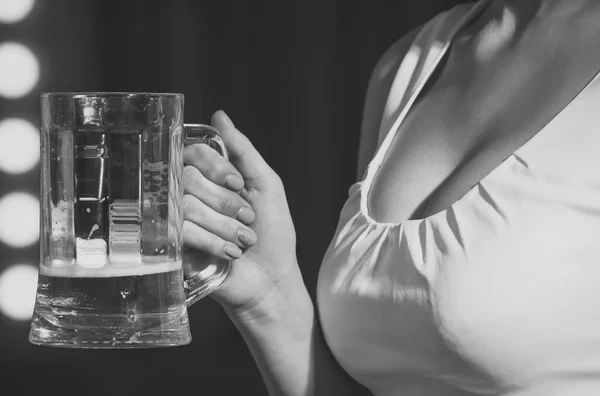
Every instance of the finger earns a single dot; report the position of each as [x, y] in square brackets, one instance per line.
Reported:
[242, 154]
[216, 197]
[224, 227]
[198, 238]
[213, 166]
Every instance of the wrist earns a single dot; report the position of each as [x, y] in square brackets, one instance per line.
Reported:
[285, 301]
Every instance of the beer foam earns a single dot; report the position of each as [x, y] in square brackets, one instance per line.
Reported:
[151, 265]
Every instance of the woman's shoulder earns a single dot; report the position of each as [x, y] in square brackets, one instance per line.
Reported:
[431, 33]
[410, 54]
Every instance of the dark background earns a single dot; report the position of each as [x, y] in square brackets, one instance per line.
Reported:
[291, 74]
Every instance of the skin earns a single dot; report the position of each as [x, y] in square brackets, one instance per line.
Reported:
[264, 295]
[525, 59]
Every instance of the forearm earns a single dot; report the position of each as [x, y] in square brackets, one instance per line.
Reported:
[287, 343]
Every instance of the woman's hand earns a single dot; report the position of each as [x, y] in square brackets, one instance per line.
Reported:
[239, 204]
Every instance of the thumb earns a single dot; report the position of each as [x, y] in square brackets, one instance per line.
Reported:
[243, 155]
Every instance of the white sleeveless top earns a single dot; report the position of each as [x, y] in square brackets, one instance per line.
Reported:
[499, 294]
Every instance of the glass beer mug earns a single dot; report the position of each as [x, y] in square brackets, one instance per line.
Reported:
[111, 273]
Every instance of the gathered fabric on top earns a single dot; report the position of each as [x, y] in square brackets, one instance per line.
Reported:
[495, 295]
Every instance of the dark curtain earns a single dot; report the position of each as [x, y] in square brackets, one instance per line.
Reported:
[291, 74]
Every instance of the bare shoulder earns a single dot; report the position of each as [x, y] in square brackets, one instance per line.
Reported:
[381, 80]
[378, 89]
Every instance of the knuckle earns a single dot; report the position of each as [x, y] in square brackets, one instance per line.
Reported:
[245, 151]
[188, 202]
[188, 153]
[198, 150]
[227, 205]
[191, 175]
[188, 233]
[274, 179]
[215, 245]
[195, 154]
[228, 229]
[218, 168]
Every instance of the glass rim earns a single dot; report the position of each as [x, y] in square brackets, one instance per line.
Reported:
[107, 94]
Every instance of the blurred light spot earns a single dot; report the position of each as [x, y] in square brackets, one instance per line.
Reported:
[18, 285]
[19, 70]
[12, 11]
[19, 219]
[19, 145]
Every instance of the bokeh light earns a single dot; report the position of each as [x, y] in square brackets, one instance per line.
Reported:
[18, 285]
[19, 219]
[19, 70]
[19, 146]
[12, 11]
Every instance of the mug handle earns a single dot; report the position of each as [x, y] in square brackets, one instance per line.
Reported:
[214, 273]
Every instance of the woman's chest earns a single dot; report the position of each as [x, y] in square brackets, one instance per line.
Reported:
[479, 298]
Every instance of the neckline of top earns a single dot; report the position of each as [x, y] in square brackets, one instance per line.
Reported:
[476, 10]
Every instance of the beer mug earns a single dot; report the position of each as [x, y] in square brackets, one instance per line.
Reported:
[110, 273]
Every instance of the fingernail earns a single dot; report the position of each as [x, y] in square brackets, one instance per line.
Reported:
[234, 183]
[248, 238]
[227, 118]
[246, 215]
[233, 251]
